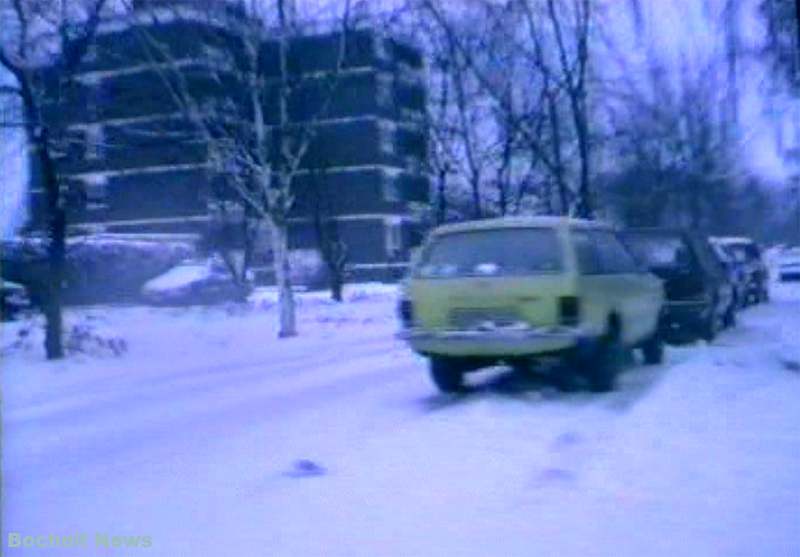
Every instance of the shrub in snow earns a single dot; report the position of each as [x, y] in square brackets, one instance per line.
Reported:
[84, 338]
[22, 341]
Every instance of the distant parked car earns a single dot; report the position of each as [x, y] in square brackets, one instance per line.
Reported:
[737, 274]
[516, 290]
[13, 299]
[699, 294]
[747, 252]
[193, 282]
[789, 264]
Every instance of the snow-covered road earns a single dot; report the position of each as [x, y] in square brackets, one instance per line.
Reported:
[196, 442]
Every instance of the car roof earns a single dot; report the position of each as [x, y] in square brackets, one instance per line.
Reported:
[732, 240]
[658, 231]
[520, 222]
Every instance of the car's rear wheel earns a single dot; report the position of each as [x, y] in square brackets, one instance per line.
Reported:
[711, 326]
[602, 370]
[730, 316]
[447, 374]
[653, 349]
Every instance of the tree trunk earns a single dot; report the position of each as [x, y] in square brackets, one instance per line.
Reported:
[53, 342]
[477, 213]
[336, 287]
[558, 164]
[280, 256]
[56, 248]
[441, 199]
[585, 207]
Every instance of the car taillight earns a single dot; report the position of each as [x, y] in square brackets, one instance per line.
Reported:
[569, 309]
[405, 311]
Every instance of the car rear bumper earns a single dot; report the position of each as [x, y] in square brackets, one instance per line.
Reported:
[493, 342]
[682, 317]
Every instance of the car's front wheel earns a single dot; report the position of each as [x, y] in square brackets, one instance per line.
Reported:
[447, 374]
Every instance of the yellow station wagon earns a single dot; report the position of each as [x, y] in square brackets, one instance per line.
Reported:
[514, 290]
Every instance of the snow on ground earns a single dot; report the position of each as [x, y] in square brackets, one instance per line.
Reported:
[210, 437]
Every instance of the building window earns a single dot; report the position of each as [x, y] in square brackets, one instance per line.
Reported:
[393, 227]
[95, 142]
[96, 188]
[92, 84]
[91, 53]
[384, 94]
[387, 137]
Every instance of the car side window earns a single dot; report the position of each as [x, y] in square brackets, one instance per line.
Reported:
[587, 254]
[614, 258]
[710, 263]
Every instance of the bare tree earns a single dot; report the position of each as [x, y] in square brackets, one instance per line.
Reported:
[331, 247]
[672, 135]
[783, 38]
[574, 63]
[51, 40]
[531, 63]
[267, 158]
[440, 156]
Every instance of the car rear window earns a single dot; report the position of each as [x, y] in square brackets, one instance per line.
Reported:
[744, 252]
[658, 250]
[502, 252]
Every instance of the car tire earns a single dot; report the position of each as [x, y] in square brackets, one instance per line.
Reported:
[601, 372]
[730, 316]
[447, 374]
[653, 349]
[711, 326]
[522, 368]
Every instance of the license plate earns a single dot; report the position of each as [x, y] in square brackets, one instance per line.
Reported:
[470, 318]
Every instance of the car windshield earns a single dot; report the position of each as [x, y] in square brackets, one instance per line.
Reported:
[502, 252]
[658, 250]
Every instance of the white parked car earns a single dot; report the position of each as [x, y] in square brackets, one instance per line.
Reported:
[789, 264]
[193, 282]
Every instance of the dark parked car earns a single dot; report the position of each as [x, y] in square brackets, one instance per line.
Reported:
[748, 254]
[699, 293]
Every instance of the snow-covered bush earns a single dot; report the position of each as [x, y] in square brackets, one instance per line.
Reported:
[99, 268]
